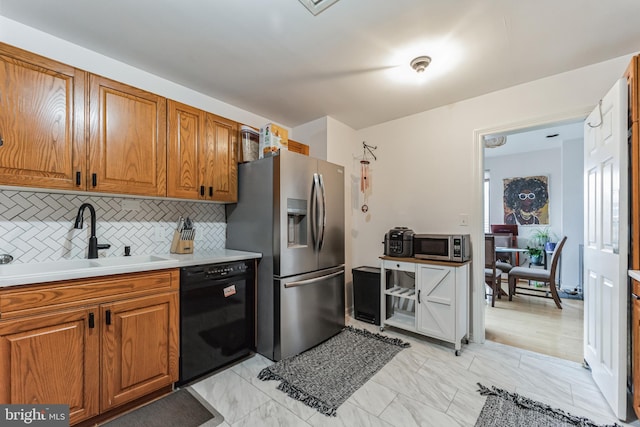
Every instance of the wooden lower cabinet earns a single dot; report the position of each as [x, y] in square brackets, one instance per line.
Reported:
[635, 340]
[139, 348]
[120, 347]
[52, 359]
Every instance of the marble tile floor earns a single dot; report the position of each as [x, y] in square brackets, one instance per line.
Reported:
[424, 385]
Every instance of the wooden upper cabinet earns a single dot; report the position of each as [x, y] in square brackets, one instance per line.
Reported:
[127, 139]
[185, 154]
[221, 171]
[201, 160]
[63, 128]
[52, 359]
[41, 121]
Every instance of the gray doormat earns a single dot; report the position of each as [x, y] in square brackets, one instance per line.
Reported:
[184, 408]
[326, 375]
[505, 409]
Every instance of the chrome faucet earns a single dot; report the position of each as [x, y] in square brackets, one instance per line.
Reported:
[93, 240]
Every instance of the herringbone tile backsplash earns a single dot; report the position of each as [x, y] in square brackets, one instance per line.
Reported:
[37, 227]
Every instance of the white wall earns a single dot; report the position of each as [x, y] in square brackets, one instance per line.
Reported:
[572, 209]
[429, 168]
[314, 134]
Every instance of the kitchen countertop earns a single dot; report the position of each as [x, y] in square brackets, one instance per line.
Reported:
[39, 272]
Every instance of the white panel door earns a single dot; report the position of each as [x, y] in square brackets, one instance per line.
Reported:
[606, 245]
[436, 301]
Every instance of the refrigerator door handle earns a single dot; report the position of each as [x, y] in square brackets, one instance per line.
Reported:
[324, 213]
[311, 281]
[315, 229]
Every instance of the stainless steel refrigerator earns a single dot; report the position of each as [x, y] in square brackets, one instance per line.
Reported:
[291, 209]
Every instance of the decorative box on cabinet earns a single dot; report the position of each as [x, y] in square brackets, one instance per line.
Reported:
[430, 298]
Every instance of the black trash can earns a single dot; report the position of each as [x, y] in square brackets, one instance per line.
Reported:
[366, 294]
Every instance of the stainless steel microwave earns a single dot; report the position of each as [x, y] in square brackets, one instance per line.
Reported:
[442, 247]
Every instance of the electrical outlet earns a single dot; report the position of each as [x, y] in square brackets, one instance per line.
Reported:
[464, 219]
[159, 234]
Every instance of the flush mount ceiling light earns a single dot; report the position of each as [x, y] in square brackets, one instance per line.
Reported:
[494, 141]
[317, 6]
[420, 63]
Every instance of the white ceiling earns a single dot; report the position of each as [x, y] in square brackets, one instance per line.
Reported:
[536, 139]
[275, 59]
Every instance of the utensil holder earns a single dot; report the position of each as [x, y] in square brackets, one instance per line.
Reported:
[181, 246]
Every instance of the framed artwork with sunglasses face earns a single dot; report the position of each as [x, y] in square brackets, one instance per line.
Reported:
[526, 200]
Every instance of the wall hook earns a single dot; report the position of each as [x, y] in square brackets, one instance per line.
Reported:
[600, 112]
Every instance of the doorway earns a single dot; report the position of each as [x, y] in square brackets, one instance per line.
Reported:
[552, 153]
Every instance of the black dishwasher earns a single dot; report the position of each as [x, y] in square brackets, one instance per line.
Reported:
[216, 316]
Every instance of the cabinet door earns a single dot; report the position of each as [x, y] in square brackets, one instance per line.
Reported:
[127, 139]
[436, 313]
[186, 161]
[41, 121]
[52, 359]
[221, 170]
[139, 347]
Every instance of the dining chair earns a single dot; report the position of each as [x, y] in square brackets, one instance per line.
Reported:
[504, 240]
[540, 275]
[492, 275]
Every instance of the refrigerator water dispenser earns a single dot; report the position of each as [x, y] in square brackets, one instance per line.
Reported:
[296, 222]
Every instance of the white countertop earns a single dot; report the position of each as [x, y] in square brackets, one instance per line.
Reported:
[634, 274]
[39, 272]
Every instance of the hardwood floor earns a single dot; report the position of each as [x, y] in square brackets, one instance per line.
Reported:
[536, 324]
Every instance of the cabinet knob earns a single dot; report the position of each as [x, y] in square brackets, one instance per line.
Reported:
[1, 141]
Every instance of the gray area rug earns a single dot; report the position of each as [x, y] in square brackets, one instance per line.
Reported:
[184, 408]
[505, 409]
[325, 376]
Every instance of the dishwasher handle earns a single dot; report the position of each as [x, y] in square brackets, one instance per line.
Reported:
[312, 281]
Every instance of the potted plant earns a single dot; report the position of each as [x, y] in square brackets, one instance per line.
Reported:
[543, 237]
[535, 255]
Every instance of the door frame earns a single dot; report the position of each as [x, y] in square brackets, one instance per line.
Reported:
[477, 217]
